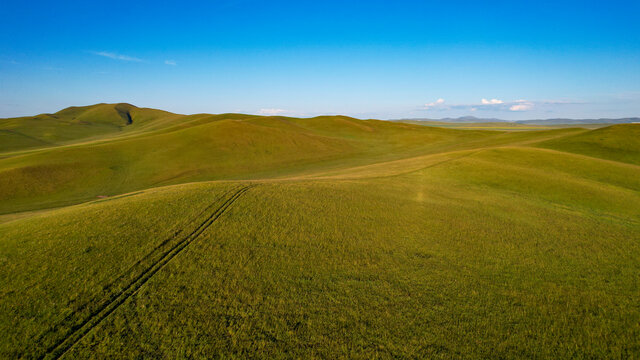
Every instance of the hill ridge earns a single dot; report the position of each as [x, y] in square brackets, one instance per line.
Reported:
[140, 148]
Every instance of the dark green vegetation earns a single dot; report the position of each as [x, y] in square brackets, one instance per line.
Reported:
[327, 237]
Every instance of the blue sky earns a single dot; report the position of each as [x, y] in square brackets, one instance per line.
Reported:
[369, 59]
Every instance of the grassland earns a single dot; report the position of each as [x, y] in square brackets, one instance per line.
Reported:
[269, 237]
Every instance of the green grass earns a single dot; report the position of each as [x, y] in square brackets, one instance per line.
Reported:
[328, 237]
[75, 124]
[617, 142]
[230, 146]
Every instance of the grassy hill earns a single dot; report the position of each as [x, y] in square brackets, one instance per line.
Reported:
[73, 124]
[178, 149]
[272, 237]
[617, 142]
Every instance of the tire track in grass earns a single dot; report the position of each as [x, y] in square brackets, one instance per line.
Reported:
[70, 321]
[78, 331]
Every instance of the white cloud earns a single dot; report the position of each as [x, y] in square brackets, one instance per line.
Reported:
[521, 105]
[115, 56]
[170, 62]
[437, 103]
[271, 111]
[499, 105]
[489, 105]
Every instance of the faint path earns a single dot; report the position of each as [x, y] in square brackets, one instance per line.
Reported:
[79, 330]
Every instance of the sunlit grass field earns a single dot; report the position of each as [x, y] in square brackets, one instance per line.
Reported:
[236, 236]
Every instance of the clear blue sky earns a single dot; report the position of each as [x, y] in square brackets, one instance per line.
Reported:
[369, 59]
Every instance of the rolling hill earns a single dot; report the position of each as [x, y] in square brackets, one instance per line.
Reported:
[73, 124]
[618, 142]
[173, 149]
[231, 235]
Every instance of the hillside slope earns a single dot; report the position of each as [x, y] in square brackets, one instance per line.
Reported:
[177, 149]
[152, 148]
[73, 124]
[617, 142]
[532, 253]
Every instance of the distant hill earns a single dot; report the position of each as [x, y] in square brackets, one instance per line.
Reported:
[581, 121]
[106, 149]
[556, 121]
[74, 123]
[80, 153]
[462, 119]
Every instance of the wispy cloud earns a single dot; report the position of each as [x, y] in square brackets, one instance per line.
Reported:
[495, 105]
[170, 62]
[271, 111]
[491, 102]
[116, 56]
[521, 105]
[436, 104]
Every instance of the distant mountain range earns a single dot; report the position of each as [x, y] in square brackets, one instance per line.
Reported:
[473, 119]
